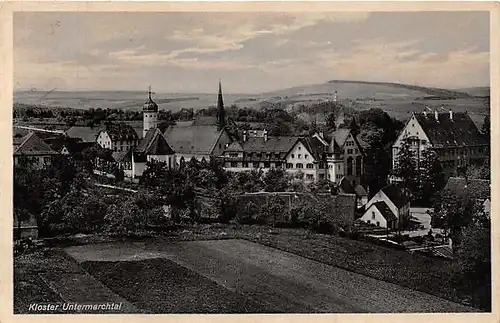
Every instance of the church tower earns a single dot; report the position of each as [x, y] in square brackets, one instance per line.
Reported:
[150, 115]
[221, 114]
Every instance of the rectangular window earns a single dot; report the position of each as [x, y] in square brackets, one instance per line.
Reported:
[378, 224]
[373, 215]
[299, 165]
[309, 176]
[46, 160]
[300, 156]
[349, 151]
[234, 164]
[310, 166]
[255, 165]
[266, 165]
[293, 156]
[306, 156]
[321, 176]
[278, 164]
[245, 164]
[289, 165]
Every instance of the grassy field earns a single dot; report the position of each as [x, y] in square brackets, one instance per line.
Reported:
[162, 286]
[429, 275]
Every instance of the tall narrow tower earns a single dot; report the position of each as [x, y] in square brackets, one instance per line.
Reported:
[221, 114]
[150, 114]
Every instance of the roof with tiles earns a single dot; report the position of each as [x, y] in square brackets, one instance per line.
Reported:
[235, 146]
[154, 143]
[32, 145]
[272, 144]
[459, 130]
[396, 195]
[385, 211]
[121, 131]
[193, 139]
[86, 134]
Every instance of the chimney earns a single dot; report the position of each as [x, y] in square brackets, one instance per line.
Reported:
[436, 115]
[265, 135]
[451, 115]
[244, 135]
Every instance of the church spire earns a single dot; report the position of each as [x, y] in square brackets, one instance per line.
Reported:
[221, 117]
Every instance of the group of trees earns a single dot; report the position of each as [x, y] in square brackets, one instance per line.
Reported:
[378, 131]
[466, 223]
[422, 175]
[63, 200]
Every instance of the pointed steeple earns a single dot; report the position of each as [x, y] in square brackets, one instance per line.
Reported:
[221, 115]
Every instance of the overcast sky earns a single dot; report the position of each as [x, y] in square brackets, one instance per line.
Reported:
[250, 52]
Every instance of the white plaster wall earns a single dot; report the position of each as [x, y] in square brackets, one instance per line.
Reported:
[368, 216]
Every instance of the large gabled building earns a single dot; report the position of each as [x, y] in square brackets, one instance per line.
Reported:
[317, 157]
[34, 149]
[118, 137]
[453, 135]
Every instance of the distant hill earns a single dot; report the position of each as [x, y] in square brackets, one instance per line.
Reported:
[398, 100]
[480, 91]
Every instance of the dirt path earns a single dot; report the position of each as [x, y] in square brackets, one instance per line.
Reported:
[285, 281]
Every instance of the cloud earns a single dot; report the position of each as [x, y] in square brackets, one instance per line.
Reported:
[253, 51]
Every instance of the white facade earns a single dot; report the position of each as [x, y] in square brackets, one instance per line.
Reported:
[150, 121]
[413, 130]
[400, 213]
[105, 141]
[300, 160]
[335, 169]
[373, 216]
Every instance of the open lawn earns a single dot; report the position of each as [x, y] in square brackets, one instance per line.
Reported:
[162, 286]
[284, 282]
[302, 272]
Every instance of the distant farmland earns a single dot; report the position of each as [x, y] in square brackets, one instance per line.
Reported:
[398, 100]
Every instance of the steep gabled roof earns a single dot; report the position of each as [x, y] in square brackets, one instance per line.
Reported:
[315, 147]
[154, 143]
[193, 139]
[445, 132]
[121, 131]
[340, 135]
[86, 134]
[385, 211]
[120, 156]
[272, 144]
[396, 195]
[234, 147]
[475, 188]
[360, 190]
[33, 145]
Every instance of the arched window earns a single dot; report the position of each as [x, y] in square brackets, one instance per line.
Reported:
[358, 165]
[310, 166]
[299, 165]
[350, 162]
